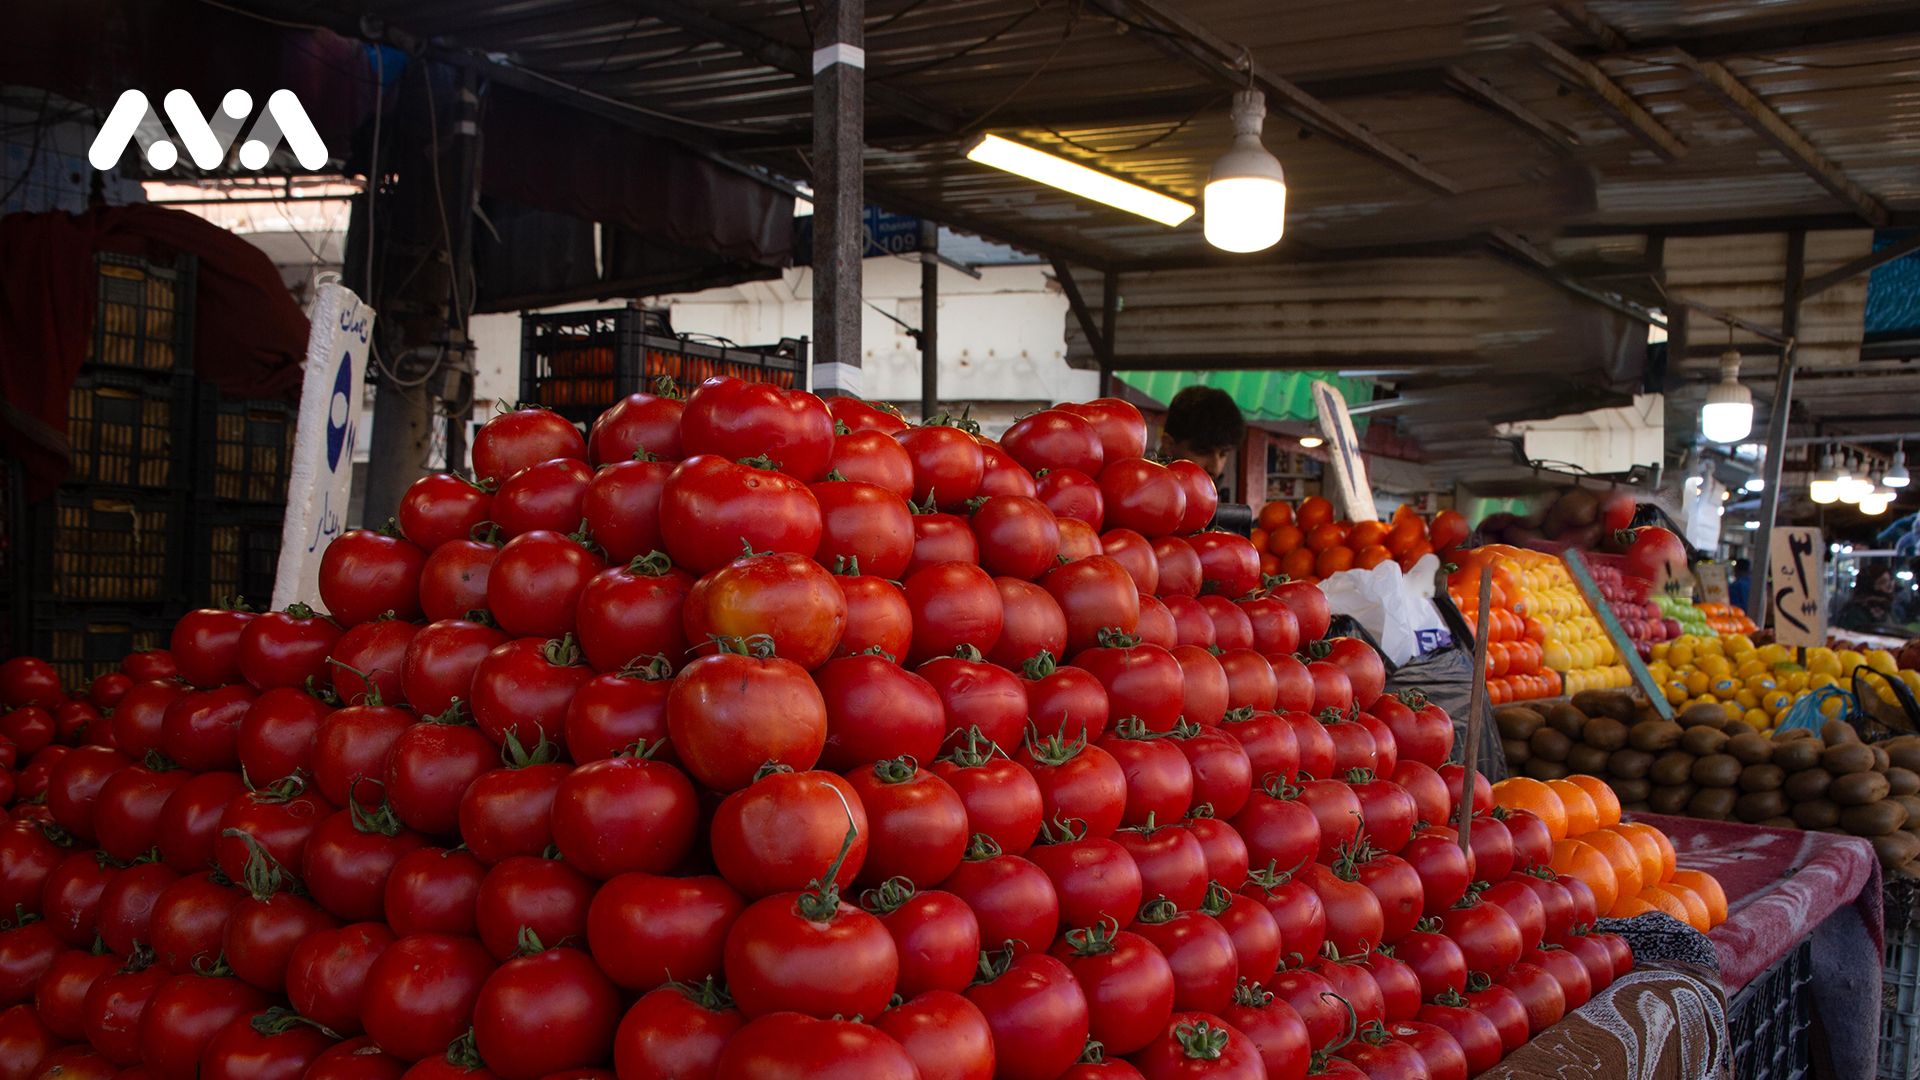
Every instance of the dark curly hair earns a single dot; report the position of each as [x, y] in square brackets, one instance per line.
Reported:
[1205, 418]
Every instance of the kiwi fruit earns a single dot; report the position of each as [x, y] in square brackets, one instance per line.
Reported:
[1549, 744]
[1672, 800]
[1896, 848]
[1912, 803]
[1756, 806]
[1672, 767]
[1808, 784]
[1794, 755]
[1902, 781]
[1615, 703]
[1762, 778]
[1604, 732]
[1637, 808]
[1736, 727]
[1586, 759]
[1904, 752]
[1566, 720]
[1714, 804]
[1778, 823]
[1716, 771]
[1792, 735]
[1517, 721]
[1703, 714]
[1653, 736]
[1815, 814]
[1858, 789]
[1846, 757]
[1873, 819]
[1632, 791]
[1881, 762]
[1838, 731]
[1701, 741]
[1542, 769]
[1629, 764]
[1751, 747]
[1516, 751]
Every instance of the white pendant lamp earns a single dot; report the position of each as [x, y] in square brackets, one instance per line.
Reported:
[1850, 484]
[1896, 476]
[1728, 414]
[1244, 207]
[1876, 502]
[1825, 487]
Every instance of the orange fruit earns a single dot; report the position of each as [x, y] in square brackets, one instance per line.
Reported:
[1662, 900]
[1333, 560]
[1259, 537]
[1322, 537]
[1367, 533]
[1667, 856]
[1313, 511]
[1371, 556]
[1284, 538]
[1698, 915]
[1526, 793]
[1623, 857]
[1269, 565]
[1707, 887]
[1582, 816]
[1577, 858]
[1275, 514]
[1297, 563]
[1652, 865]
[1605, 802]
[1628, 908]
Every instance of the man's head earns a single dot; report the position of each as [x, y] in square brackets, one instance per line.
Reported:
[1203, 426]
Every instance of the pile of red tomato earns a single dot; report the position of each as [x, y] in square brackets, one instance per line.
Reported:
[754, 736]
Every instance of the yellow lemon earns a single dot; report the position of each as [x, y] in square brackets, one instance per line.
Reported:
[1710, 646]
[1911, 678]
[1882, 661]
[1738, 644]
[1755, 719]
[1820, 680]
[1821, 660]
[1849, 660]
[1723, 688]
[1676, 691]
[1660, 650]
[1680, 655]
[1795, 681]
[1775, 701]
[1832, 707]
[1760, 682]
[1716, 667]
[1746, 698]
[1697, 683]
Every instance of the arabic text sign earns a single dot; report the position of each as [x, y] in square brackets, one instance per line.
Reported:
[1343, 453]
[322, 475]
[1796, 593]
[1713, 582]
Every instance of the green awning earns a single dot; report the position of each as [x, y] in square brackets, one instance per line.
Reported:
[1268, 396]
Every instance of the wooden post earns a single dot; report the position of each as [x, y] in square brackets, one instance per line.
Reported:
[839, 231]
[929, 319]
[1109, 314]
[1476, 705]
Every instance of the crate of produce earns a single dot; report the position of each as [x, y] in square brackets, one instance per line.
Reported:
[128, 431]
[580, 362]
[82, 641]
[244, 449]
[1768, 1021]
[234, 553]
[143, 315]
[105, 545]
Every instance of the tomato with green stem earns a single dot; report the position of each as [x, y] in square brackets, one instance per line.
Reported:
[680, 1029]
[936, 934]
[916, 822]
[785, 829]
[1013, 899]
[644, 929]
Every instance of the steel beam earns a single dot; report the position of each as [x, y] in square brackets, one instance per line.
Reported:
[839, 231]
[1777, 421]
[1483, 93]
[1864, 264]
[1587, 77]
[929, 320]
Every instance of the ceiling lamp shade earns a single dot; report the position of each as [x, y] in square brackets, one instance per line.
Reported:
[1077, 179]
[1875, 502]
[1825, 487]
[1850, 484]
[1245, 201]
[1728, 414]
[1896, 476]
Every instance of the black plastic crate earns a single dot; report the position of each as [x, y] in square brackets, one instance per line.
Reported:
[244, 449]
[234, 553]
[102, 545]
[580, 362]
[129, 431]
[1768, 1021]
[83, 641]
[143, 315]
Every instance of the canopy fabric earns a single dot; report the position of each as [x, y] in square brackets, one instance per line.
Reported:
[1263, 396]
[1893, 292]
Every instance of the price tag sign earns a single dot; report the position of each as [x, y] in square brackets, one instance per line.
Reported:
[1796, 563]
[1713, 582]
[321, 477]
[1343, 453]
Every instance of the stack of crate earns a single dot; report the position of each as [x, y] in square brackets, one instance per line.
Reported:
[242, 454]
[97, 570]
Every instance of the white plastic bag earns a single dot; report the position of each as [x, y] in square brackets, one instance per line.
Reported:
[1395, 607]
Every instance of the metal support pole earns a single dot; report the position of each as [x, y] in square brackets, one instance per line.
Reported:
[929, 319]
[839, 233]
[1777, 419]
[1109, 312]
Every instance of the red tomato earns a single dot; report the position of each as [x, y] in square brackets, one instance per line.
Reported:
[878, 617]
[73, 788]
[917, 825]
[183, 1017]
[944, 1034]
[978, 696]
[1251, 683]
[1488, 937]
[189, 820]
[1540, 995]
[1595, 956]
[1455, 776]
[549, 495]
[356, 1059]
[1002, 800]
[1159, 780]
[524, 687]
[1204, 688]
[277, 1045]
[789, 1046]
[1196, 1044]
[622, 508]
[1532, 843]
[1312, 997]
[953, 604]
[327, 973]
[1293, 684]
[810, 953]
[1054, 439]
[1435, 960]
[537, 581]
[1177, 568]
[25, 1042]
[644, 930]
[368, 658]
[637, 422]
[1366, 672]
[1476, 1035]
[188, 922]
[1444, 869]
[734, 419]
[364, 573]
[1275, 630]
[1037, 1012]
[947, 464]
[441, 661]
[114, 1007]
[1142, 681]
[1031, 624]
[713, 506]
[1309, 607]
[205, 646]
[856, 414]
[786, 598]
[1254, 930]
[1135, 553]
[1121, 427]
[787, 829]
[1274, 1027]
[1567, 969]
[1229, 565]
[1428, 791]
[137, 720]
[421, 992]
[1172, 863]
[730, 714]
[1556, 903]
[542, 1013]
[865, 524]
[126, 905]
[434, 891]
[1199, 951]
[1128, 983]
[1397, 885]
[264, 928]
[678, 1030]
[526, 436]
[939, 538]
[1096, 594]
[935, 933]
[201, 729]
[1232, 630]
[1078, 781]
[1492, 847]
[1065, 701]
[1070, 493]
[1018, 536]
[59, 997]
[27, 856]
[876, 711]
[624, 814]
[1524, 905]
[1095, 878]
[1355, 921]
[1203, 498]
[1278, 828]
[873, 457]
[502, 812]
[619, 709]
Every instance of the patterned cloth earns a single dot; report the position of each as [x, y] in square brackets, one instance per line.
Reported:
[1666, 1020]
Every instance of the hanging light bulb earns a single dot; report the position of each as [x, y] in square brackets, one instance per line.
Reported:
[1859, 481]
[1896, 476]
[1728, 414]
[1245, 203]
[1825, 487]
[1876, 501]
[1849, 483]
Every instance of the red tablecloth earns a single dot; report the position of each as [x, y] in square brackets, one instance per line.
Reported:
[1780, 885]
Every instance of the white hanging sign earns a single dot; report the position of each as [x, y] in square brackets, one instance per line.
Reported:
[1795, 585]
[1343, 453]
[321, 479]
